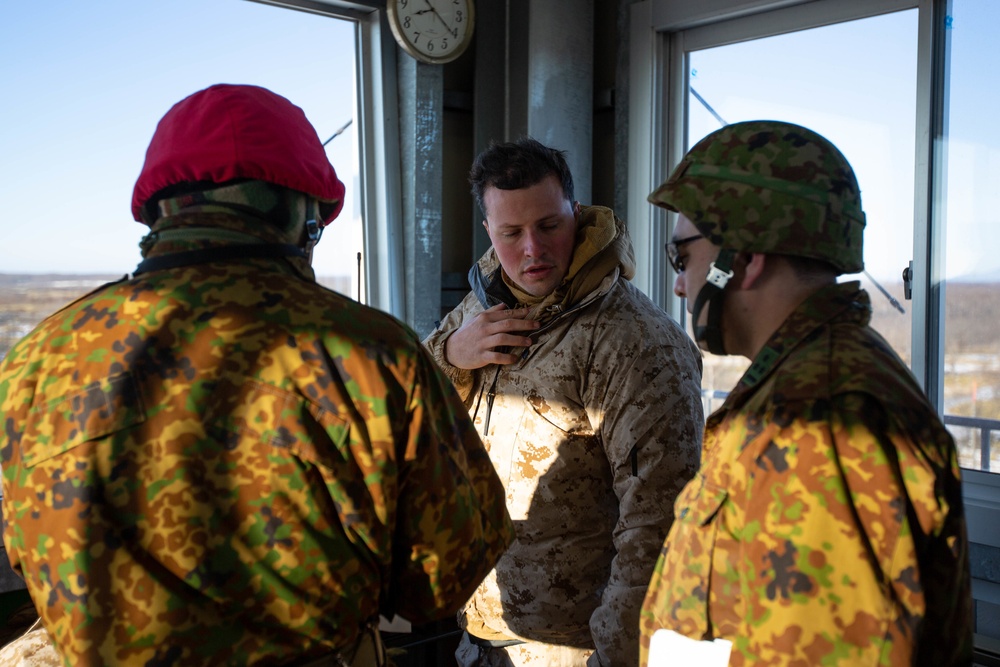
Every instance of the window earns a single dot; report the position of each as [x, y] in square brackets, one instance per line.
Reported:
[969, 251]
[862, 100]
[83, 103]
[936, 66]
[875, 103]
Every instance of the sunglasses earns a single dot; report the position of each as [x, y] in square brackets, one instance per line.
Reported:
[673, 252]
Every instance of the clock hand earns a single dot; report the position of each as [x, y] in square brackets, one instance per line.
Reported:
[446, 26]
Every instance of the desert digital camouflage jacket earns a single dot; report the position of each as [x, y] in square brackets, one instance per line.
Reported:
[826, 524]
[594, 432]
[225, 463]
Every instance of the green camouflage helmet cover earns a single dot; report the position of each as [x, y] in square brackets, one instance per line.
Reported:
[770, 187]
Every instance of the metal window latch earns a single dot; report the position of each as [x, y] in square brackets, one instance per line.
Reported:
[908, 282]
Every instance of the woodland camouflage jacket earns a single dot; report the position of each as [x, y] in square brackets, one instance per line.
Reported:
[226, 463]
[593, 432]
[826, 523]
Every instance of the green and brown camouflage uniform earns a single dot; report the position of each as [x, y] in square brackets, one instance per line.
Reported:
[226, 463]
[825, 525]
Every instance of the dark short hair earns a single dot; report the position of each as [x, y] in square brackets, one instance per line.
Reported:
[516, 165]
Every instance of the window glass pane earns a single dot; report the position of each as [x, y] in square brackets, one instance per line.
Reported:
[971, 266]
[861, 99]
[84, 86]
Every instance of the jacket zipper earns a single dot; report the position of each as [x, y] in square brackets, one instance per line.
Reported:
[492, 393]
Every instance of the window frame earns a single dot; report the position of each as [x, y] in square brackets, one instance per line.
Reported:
[662, 32]
[377, 116]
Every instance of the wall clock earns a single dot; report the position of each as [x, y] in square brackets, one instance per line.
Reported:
[432, 31]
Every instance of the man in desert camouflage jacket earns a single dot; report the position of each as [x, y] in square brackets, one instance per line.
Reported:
[217, 461]
[588, 398]
[825, 525]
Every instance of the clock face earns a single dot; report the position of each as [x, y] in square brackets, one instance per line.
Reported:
[434, 31]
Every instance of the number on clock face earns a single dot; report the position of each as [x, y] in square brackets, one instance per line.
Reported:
[433, 29]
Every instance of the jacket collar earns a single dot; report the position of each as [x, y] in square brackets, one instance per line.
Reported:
[208, 226]
[844, 302]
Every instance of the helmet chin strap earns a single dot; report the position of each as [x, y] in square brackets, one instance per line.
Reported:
[712, 293]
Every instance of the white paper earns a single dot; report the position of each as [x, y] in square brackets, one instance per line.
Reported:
[669, 649]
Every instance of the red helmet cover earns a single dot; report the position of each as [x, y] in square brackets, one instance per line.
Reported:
[238, 131]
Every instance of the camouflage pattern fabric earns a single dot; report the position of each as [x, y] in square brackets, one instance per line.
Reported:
[34, 648]
[226, 463]
[594, 432]
[280, 206]
[528, 654]
[826, 524]
[772, 187]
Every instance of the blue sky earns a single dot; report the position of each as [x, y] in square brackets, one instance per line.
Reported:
[862, 100]
[84, 84]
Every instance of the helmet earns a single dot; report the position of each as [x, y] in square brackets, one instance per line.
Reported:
[770, 187]
[236, 131]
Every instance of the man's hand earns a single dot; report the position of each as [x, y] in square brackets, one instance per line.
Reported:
[475, 344]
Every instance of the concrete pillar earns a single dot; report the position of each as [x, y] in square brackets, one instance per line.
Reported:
[535, 76]
[560, 82]
[421, 95]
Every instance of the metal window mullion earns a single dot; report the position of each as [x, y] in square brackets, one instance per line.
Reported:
[679, 65]
[378, 137]
[930, 201]
[738, 25]
[645, 123]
